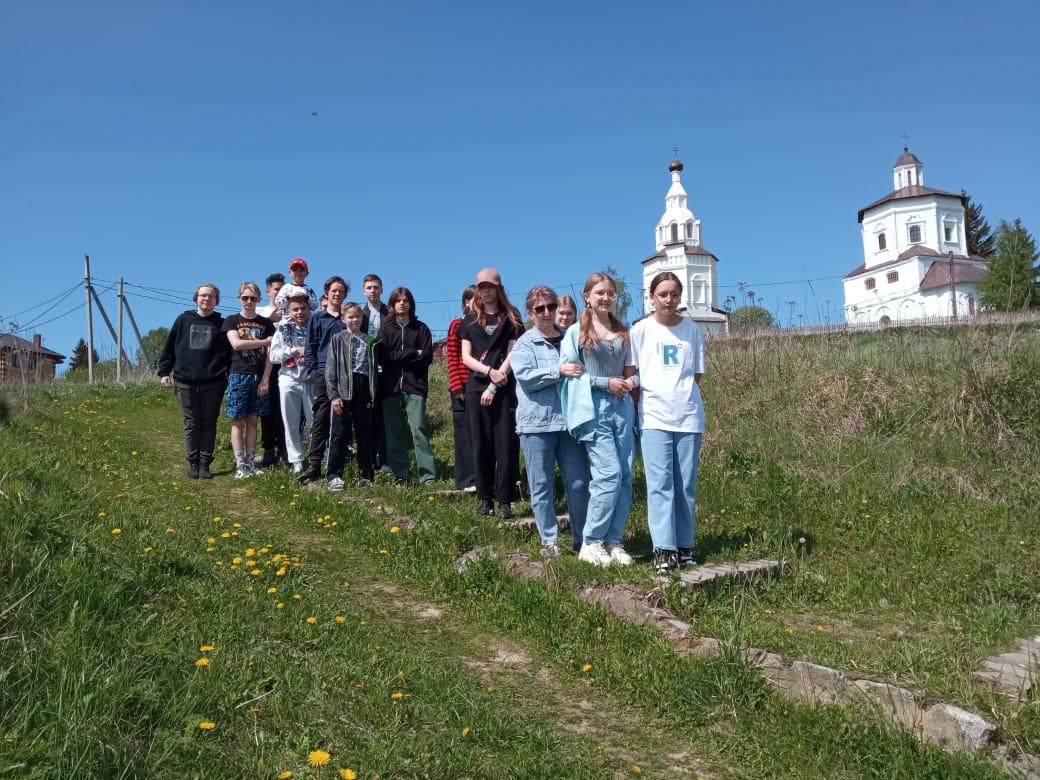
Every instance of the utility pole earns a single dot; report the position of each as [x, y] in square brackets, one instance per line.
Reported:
[90, 320]
[119, 336]
[953, 288]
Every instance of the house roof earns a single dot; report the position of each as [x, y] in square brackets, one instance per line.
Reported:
[939, 274]
[918, 250]
[912, 191]
[907, 158]
[8, 341]
[690, 250]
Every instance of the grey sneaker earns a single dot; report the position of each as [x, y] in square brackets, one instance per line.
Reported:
[665, 561]
[550, 550]
[686, 557]
[242, 471]
[335, 484]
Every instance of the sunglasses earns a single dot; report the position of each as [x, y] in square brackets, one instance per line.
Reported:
[248, 298]
[547, 307]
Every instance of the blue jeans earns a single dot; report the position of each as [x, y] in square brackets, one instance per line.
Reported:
[542, 451]
[611, 450]
[670, 460]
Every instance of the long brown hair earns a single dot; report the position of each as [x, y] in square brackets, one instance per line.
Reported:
[396, 294]
[586, 333]
[504, 306]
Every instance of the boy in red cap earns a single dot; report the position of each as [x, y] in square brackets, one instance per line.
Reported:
[298, 271]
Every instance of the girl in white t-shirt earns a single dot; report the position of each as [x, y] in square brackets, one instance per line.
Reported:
[668, 352]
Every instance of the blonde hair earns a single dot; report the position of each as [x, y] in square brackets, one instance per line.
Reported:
[350, 306]
[247, 285]
[567, 301]
[586, 333]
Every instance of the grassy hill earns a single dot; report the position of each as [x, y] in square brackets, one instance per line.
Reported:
[894, 472]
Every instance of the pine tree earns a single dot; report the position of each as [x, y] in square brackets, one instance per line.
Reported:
[79, 356]
[1010, 281]
[976, 229]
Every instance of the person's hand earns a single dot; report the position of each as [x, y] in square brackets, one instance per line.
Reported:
[262, 388]
[301, 351]
[618, 386]
[497, 376]
[337, 405]
[166, 381]
[631, 383]
[276, 316]
[487, 398]
[571, 370]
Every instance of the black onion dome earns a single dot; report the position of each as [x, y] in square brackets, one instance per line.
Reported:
[675, 165]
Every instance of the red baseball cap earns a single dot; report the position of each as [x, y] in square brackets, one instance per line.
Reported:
[298, 261]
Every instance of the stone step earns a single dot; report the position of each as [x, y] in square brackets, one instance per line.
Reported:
[530, 523]
[702, 575]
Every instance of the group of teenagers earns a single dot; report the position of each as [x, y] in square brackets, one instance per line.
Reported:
[570, 392]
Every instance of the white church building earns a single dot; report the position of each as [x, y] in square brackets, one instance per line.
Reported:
[680, 251]
[915, 258]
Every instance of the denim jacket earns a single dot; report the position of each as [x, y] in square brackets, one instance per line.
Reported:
[536, 365]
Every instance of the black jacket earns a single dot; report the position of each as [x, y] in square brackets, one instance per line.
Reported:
[383, 311]
[406, 354]
[196, 352]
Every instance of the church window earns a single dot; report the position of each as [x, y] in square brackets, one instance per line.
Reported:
[909, 178]
[870, 283]
[949, 231]
[15, 362]
[892, 276]
[881, 242]
[675, 233]
[915, 234]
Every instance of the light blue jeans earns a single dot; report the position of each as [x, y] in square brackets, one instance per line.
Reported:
[611, 450]
[670, 460]
[542, 451]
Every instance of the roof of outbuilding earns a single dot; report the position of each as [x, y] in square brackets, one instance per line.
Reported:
[14, 342]
[939, 275]
[690, 250]
[918, 250]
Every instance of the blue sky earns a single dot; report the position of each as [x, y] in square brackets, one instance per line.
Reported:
[175, 142]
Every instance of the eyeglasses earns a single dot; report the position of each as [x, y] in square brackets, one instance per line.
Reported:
[547, 307]
[248, 298]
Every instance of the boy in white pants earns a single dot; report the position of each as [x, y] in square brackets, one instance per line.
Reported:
[287, 348]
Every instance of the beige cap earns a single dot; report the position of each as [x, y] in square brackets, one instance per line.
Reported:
[489, 276]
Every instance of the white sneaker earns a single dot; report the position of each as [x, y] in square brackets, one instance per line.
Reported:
[335, 484]
[594, 553]
[297, 468]
[242, 471]
[470, 489]
[618, 555]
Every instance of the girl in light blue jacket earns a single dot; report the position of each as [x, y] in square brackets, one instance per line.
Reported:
[542, 428]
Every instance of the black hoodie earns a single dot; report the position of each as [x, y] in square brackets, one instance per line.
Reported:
[196, 352]
[405, 357]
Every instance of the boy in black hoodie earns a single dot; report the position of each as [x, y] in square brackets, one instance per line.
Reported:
[195, 360]
[407, 350]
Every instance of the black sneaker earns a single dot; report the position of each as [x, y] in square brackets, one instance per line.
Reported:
[665, 561]
[486, 507]
[204, 472]
[270, 459]
[686, 557]
[505, 511]
[193, 471]
[310, 474]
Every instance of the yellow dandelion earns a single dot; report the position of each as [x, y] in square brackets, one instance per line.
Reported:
[279, 605]
[147, 549]
[211, 540]
[146, 605]
[318, 757]
[225, 535]
[788, 630]
[171, 530]
[340, 619]
[207, 725]
[346, 583]
[216, 519]
[207, 649]
[395, 529]
[820, 629]
[384, 551]
[312, 620]
[296, 597]
[211, 549]
[636, 769]
[491, 689]
[285, 774]
[280, 572]
[133, 453]
[347, 774]
[363, 623]
[958, 628]
[236, 525]
[117, 531]
[430, 499]
[250, 552]
[328, 517]
[465, 730]
[359, 685]
[333, 524]
[202, 662]
[272, 589]
[255, 573]
[398, 695]
[236, 560]
[251, 563]
[102, 514]
[586, 667]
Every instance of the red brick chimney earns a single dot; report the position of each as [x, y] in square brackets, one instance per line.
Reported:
[37, 340]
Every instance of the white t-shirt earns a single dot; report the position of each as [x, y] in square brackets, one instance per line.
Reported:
[667, 358]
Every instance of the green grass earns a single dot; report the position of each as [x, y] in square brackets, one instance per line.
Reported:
[99, 638]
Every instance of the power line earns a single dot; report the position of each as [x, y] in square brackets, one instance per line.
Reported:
[61, 295]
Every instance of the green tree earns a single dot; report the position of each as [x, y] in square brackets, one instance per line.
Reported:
[79, 356]
[747, 318]
[151, 346]
[1010, 279]
[976, 229]
[624, 296]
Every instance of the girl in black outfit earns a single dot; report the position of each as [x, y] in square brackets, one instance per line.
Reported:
[487, 338]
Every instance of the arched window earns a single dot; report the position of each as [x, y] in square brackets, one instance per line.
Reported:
[689, 229]
[675, 233]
